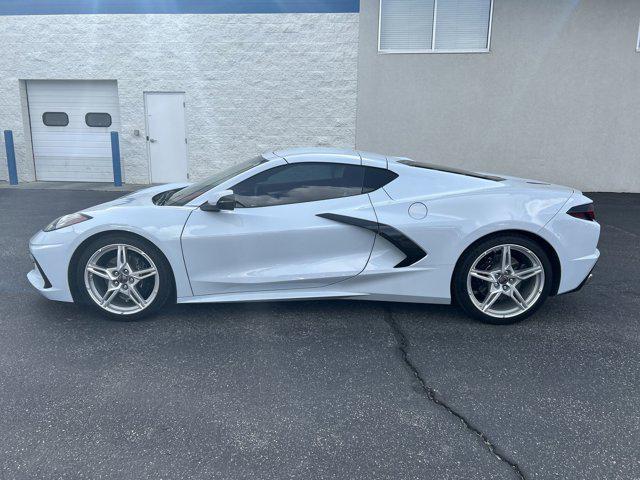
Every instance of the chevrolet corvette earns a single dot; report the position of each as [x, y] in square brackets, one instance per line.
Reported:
[325, 224]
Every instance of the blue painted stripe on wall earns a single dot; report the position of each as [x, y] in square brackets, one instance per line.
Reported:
[59, 7]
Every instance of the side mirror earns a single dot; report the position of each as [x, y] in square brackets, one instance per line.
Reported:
[217, 201]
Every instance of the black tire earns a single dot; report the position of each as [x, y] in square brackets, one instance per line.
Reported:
[166, 286]
[459, 284]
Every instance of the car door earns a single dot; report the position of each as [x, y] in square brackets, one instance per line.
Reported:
[275, 239]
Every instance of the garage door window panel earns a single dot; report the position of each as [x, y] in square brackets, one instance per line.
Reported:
[55, 119]
[299, 183]
[435, 26]
[97, 119]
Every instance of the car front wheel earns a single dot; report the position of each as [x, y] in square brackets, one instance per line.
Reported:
[123, 276]
[503, 279]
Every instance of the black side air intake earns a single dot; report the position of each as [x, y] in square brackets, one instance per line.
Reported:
[411, 249]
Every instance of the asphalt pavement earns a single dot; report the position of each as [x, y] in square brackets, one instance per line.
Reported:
[319, 389]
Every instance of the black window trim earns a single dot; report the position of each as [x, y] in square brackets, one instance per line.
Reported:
[362, 192]
[56, 113]
[86, 121]
[391, 176]
[457, 171]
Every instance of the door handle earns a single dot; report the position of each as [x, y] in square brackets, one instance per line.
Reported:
[152, 140]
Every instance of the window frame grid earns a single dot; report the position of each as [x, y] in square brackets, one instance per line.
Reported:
[433, 36]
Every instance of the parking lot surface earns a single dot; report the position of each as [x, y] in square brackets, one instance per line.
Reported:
[322, 389]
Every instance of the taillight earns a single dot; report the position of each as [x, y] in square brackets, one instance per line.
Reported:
[583, 212]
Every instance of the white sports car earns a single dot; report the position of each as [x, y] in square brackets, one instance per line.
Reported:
[324, 223]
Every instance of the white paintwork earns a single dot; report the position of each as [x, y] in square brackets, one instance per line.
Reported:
[133, 213]
[287, 252]
[166, 136]
[276, 247]
[76, 152]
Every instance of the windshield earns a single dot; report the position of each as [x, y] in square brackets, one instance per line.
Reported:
[184, 196]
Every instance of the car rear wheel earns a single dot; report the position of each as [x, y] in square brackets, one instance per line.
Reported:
[503, 279]
[123, 276]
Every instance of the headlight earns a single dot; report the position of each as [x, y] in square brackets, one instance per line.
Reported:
[66, 221]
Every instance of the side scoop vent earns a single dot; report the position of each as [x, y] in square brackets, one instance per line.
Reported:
[411, 249]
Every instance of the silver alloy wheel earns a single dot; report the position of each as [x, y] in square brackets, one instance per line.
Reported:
[505, 281]
[121, 279]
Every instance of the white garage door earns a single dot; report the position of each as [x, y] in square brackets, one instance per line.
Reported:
[71, 121]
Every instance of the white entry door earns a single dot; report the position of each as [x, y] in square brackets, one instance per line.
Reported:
[166, 136]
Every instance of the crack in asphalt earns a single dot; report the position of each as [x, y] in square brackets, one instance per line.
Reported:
[431, 394]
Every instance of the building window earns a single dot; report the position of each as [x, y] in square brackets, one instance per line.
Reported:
[97, 119]
[55, 119]
[435, 26]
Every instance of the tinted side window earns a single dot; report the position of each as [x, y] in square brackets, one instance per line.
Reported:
[97, 119]
[55, 119]
[374, 178]
[300, 182]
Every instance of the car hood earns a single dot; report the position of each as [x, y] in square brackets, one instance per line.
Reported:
[138, 198]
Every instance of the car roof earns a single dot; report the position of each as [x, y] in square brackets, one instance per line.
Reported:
[328, 154]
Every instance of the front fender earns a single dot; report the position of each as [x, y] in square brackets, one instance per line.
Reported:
[162, 226]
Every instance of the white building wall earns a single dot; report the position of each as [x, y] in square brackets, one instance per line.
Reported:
[253, 82]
